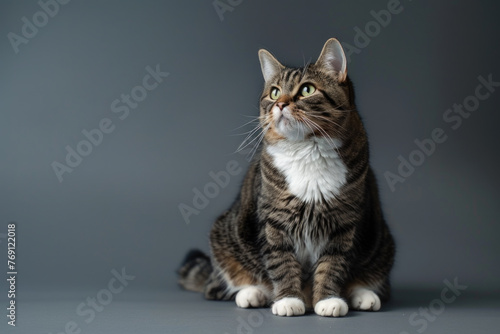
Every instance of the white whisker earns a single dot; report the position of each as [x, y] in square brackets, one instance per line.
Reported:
[328, 137]
[246, 141]
[326, 119]
[256, 146]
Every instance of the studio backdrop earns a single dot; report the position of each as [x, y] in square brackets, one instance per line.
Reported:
[120, 122]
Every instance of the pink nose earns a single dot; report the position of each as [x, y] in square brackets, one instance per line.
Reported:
[282, 105]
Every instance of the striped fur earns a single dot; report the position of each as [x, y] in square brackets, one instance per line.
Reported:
[325, 247]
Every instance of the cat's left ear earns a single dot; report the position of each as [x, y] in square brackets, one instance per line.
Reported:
[269, 65]
[332, 58]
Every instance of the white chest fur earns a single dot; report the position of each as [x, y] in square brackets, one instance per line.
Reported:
[312, 168]
[308, 250]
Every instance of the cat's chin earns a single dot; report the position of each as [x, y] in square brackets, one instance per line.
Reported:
[292, 132]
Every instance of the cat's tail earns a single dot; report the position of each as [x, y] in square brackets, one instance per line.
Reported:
[195, 271]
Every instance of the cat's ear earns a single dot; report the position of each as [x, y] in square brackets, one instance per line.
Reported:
[269, 65]
[333, 59]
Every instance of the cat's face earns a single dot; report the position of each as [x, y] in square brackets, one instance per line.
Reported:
[314, 101]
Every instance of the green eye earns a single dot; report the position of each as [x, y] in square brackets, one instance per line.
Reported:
[275, 93]
[307, 90]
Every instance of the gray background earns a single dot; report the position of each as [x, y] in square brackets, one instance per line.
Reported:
[119, 207]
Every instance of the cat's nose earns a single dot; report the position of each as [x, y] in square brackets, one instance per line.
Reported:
[282, 105]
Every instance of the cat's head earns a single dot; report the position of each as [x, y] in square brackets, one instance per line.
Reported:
[302, 103]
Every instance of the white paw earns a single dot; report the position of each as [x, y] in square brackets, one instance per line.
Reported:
[289, 306]
[365, 300]
[331, 307]
[251, 296]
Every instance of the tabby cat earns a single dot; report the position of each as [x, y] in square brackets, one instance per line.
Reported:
[306, 230]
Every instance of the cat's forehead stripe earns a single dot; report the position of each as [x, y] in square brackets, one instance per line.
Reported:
[287, 75]
[289, 78]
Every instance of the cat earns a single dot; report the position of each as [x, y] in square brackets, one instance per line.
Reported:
[306, 230]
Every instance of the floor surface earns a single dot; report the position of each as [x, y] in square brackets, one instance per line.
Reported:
[410, 311]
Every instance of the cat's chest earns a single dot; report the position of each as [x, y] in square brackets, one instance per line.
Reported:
[313, 169]
[308, 250]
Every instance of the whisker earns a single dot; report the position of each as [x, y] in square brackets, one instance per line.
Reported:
[335, 147]
[255, 119]
[303, 131]
[316, 126]
[244, 133]
[327, 120]
[341, 106]
[312, 130]
[324, 133]
[252, 116]
[305, 67]
[246, 141]
[256, 147]
[248, 123]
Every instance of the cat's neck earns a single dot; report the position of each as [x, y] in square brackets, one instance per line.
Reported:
[314, 147]
[313, 168]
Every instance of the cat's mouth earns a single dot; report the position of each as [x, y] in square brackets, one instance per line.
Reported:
[284, 119]
[287, 125]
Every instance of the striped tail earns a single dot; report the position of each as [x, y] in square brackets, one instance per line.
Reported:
[194, 271]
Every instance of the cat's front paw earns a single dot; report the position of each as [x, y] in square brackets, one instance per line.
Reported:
[251, 296]
[331, 307]
[289, 306]
[365, 300]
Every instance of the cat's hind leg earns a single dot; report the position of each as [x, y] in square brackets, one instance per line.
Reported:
[367, 297]
[217, 288]
[252, 296]
[251, 290]
[241, 286]
[364, 299]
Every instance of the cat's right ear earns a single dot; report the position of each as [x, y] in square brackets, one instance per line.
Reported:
[269, 65]
[333, 59]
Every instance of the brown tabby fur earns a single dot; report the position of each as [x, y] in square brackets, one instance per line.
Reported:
[254, 242]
